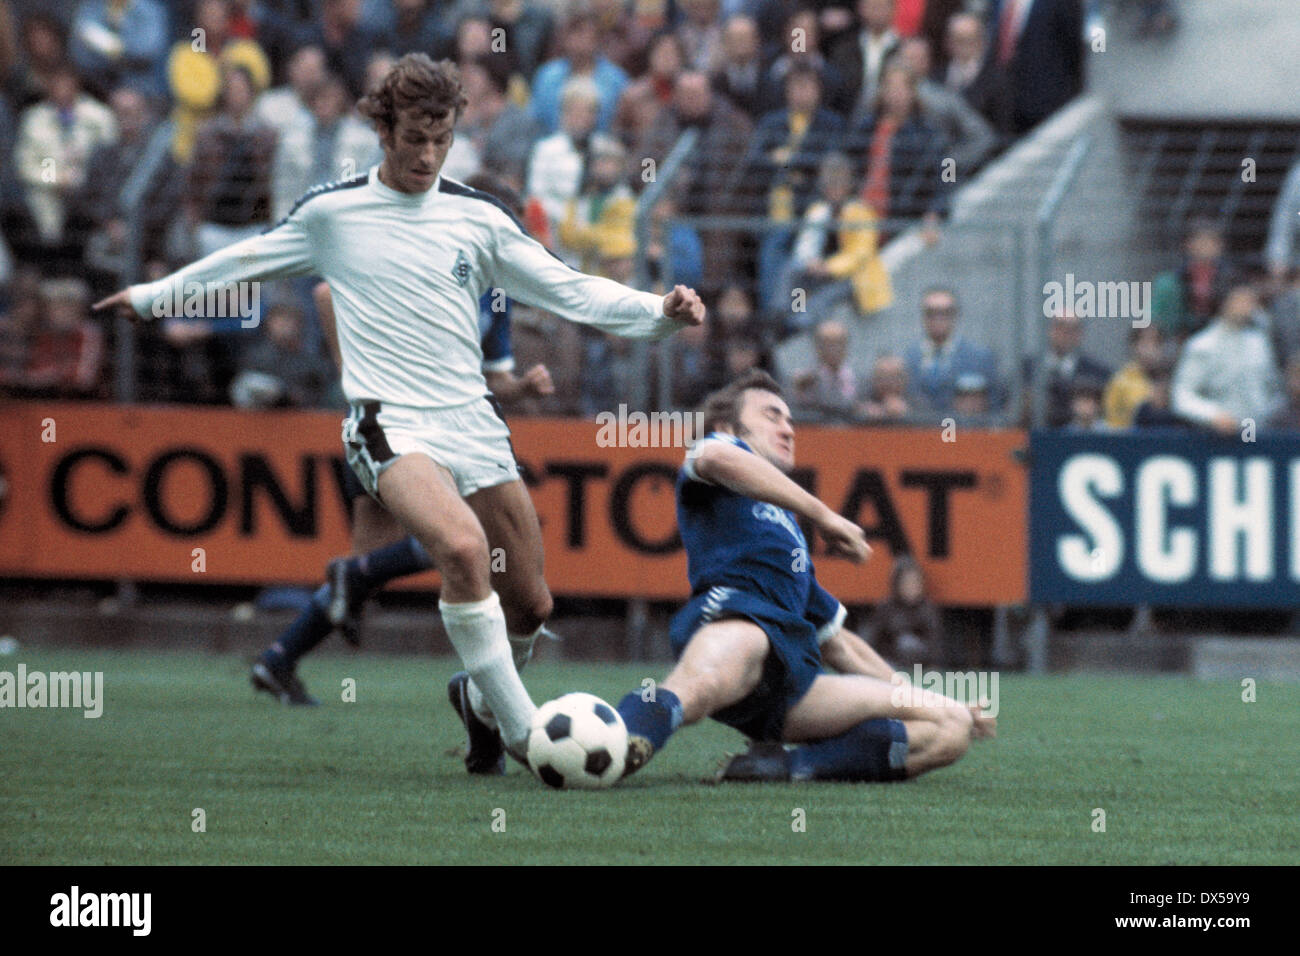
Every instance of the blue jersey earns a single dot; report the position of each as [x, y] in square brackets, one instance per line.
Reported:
[494, 333]
[753, 546]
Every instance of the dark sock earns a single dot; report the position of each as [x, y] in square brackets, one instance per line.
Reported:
[655, 720]
[871, 752]
[307, 630]
[396, 560]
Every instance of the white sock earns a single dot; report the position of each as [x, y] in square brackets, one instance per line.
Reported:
[477, 630]
[521, 647]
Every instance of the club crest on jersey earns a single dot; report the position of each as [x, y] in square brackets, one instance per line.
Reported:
[460, 271]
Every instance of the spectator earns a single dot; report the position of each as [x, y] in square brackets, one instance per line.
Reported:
[695, 358]
[887, 397]
[1039, 44]
[558, 161]
[650, 95]
[971, 137]
[673, 251]
[1280, 253]
[905, 627]
[701, 34]
[347, 42]
[1131, 385]
[1157, 410]
[928, 20]
[1183, 301]
[119, 41]
[278, 372]
[195, 72]
[229, 192]
[779, 172]
[1227, 373]
[800, 44]
[1085, 405]
[501, 133]
[67, 352]
[835, 256]
[975, 75]
[970, 400]
[581, 60]
[623, 36]
[1287, 417]
[333, 143]
[1284, 316]
[8, 42]
[1063, 364]
[941, 357]
[528, 32]
[99, 204]
[289, 105]
[414, 29]
[903, 153]
[275, 26]
[604, 211]
[860, 57]
[745, 352]
[706, 176]
[739, 76]
[56, 138]
[831, 389]
[44, 52]
[20, 320]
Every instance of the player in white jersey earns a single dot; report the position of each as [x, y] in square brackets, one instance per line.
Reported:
[408, 254]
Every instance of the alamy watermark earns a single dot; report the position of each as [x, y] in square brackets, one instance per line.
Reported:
[653, 430]
[1099, 300]
[75, 689]
[210, 300]
[965, 687]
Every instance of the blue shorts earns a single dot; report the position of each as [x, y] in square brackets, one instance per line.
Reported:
[792, 664]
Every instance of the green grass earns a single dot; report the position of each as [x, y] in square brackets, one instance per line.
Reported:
[1186, 772]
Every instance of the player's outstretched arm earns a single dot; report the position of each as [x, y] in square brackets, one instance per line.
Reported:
[527, 272]
[753, 476]
[279, 254]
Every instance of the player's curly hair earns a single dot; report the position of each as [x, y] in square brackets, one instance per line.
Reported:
[415, 82]
[722, 408]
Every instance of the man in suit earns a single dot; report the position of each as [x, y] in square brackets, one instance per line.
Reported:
[941, 357]
[1064, 365]
[860, 56]
[1039, 43]
[974, 74]
[740, 74]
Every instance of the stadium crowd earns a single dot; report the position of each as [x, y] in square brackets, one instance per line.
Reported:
[141, 133]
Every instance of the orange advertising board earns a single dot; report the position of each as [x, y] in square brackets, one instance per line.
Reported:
[108, 491]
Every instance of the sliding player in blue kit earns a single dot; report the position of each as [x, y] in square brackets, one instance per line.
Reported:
[752, 640]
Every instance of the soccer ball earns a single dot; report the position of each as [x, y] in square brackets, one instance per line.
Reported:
[577, 742]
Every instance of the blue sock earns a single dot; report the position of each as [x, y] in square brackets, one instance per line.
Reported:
[655, 720]
[307, 630]
[396, 560]
[871, 752]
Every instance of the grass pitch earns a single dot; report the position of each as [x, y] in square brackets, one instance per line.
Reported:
[1186, 773]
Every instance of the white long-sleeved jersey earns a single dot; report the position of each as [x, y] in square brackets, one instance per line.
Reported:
[406, 272]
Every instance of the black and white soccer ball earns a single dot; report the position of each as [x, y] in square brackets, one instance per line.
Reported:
[577, 742]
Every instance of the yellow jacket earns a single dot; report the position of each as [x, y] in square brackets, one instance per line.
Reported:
[195, 80]
[1127, 389]
[858, 259]
[611, 235]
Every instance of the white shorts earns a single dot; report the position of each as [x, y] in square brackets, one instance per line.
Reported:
[471, 441]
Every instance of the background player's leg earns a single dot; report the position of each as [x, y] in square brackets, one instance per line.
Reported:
[722, 664]
[938, 728]
[423, 497]
[330, 606]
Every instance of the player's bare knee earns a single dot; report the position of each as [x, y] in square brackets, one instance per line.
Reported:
[462, 559]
